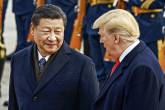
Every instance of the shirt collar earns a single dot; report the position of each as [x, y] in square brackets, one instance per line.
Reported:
[40, 56]
[128, 50]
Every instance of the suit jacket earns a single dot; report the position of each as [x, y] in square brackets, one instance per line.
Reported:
[68, 83]
[23, 6]
[137, 84]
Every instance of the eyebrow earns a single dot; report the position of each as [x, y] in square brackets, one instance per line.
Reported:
[56, 27]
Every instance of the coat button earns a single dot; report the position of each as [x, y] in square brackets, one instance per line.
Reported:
[35, 98]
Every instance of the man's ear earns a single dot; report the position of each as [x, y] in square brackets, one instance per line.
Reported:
[32, 29]
[117, 38]
[31, 33]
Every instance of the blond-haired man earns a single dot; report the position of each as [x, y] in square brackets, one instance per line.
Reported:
[137, 83]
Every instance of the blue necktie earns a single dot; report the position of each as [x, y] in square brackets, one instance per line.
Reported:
[42, 63]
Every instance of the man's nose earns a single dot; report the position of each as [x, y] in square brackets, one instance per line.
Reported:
[52, 37]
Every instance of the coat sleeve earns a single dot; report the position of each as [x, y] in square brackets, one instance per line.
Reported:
[12, 96]
[89, 86]
[142, 90]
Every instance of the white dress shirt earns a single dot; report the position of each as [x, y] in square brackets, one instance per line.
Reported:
[128, 50]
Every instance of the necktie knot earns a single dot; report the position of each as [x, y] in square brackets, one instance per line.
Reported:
[42, 63]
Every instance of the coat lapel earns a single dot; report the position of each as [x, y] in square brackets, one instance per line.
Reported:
[29, 73]
[111, 79]
[54, 67]
[119, 71]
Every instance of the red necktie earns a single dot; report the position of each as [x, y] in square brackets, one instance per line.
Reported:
[115, 66]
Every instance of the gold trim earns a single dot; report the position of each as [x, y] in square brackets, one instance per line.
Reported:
[98, 2]
[136, 10]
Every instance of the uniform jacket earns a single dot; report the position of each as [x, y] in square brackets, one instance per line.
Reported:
[65, 5]
[93, 13]
[69, 83]
[150, 23]
[23, 6]
[68, 6]
[137, 84]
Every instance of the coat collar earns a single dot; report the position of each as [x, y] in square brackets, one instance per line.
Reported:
[57, 63]
[124, 64]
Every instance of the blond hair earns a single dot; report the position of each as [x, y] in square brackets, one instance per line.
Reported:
[121, 22]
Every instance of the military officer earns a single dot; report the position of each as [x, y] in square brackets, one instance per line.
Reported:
[23, 10]
[68, 6]
[149, 15]
[96, 49]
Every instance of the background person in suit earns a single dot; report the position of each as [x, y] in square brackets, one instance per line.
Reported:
[49, 75]
[138, 82]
